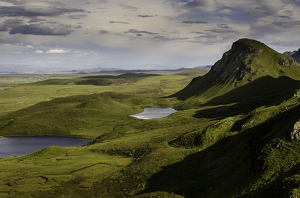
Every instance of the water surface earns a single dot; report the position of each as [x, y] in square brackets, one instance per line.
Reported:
[150, 113]
[16, 146]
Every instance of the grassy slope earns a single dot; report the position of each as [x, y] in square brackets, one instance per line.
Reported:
[239, 149]
[25, 96]
[248, 63]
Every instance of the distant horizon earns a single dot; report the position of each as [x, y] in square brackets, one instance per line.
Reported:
[106, 69]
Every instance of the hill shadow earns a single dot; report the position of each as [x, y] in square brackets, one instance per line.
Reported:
[265, 91]
[228, 166]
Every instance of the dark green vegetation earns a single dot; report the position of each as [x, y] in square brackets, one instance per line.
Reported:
[102, 80]
[235, 135]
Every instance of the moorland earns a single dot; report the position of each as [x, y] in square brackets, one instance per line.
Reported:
[234, 135]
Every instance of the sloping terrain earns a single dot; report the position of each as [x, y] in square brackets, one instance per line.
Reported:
[236, 135]
[250, 70]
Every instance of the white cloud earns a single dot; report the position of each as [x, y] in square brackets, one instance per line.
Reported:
[225, 11]
[57, 51]
[38, 52]
[29, 46]
[5, 45]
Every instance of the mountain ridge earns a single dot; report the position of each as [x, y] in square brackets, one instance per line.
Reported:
[247, 61]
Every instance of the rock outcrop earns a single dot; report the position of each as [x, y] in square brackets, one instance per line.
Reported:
[295, 133]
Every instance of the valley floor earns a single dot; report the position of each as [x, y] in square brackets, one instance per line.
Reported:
[228, 150]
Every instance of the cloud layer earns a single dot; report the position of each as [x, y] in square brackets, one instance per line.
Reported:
[135, 34]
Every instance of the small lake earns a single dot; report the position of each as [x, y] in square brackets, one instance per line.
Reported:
[150, 113]
[4, 87]
[16, 146]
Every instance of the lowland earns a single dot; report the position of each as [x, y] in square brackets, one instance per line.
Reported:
[235, 133]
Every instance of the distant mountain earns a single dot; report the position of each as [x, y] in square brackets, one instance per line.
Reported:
[203, 67]
[93, 70]
[250, 69]
[296, 56]
[15, 68]
[123, 71]
[289, 53]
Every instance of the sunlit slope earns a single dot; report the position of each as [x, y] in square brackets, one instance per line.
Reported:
[251, 66]
[86, 116]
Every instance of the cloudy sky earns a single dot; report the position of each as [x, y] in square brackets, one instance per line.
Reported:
[139, 34]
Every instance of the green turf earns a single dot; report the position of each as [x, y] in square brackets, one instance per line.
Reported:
[231, 137]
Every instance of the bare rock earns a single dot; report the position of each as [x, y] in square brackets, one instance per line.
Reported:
[295, 133]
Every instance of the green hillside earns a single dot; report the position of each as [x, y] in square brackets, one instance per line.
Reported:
[236, 133]
[250, 70]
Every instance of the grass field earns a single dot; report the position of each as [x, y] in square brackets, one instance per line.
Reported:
[233, 149]
[26, 95]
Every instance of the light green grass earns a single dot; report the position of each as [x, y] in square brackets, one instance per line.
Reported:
[227, 141]
[24, 96]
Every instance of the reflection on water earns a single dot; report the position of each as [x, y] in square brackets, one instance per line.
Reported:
[16, 146]
[150, 113]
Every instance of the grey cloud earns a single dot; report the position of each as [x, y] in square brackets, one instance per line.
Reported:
[287, 43]
[197, 32]
[285, 17]
[119, 22]
[289, 24]
[163, 38]
[208, 36]
[192, 22]
[35, 19]
[38, 29]
[139, 32]
[204, 5]
[10, 23]
[103, 32]
[265, 8]
[32, 11]
[77, 16]
[144, 16]
[52, 22]
[222, 31]
[139, 35]
[127, 7]
[196, 3]
[225, 26]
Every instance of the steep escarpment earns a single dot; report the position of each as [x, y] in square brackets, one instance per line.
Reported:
[248, 63]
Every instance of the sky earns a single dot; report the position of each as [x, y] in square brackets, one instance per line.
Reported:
[138, 34]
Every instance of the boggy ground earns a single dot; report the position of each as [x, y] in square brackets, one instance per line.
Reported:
[208, 151]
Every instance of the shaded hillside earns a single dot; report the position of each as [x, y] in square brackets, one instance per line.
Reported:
[100, 80]
[240, 140]
[247, 62]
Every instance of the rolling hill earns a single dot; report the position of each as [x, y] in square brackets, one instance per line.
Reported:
[236, 135]
[249, 70]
